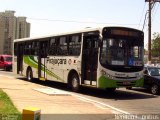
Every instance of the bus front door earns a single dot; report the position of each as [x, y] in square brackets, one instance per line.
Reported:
[42, 60]
[90, 60]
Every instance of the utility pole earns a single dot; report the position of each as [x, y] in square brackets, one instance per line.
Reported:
[150, 2]
[149, 30]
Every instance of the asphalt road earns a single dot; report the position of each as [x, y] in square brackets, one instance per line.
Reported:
[137, 101]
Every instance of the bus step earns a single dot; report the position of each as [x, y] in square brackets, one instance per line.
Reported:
[42, 78]
[86, 85]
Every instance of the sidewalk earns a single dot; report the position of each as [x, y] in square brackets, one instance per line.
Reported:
[51, 101]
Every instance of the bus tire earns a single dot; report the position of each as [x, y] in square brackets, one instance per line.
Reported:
[74, 83]
[29, 74]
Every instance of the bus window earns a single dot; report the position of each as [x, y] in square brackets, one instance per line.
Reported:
[43, 48]
[75, 45]
[36, 48]
[53, 47]
[62, 46]
[25, 48]
[33, 46]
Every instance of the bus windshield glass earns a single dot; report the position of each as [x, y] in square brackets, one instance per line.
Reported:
[122, 53]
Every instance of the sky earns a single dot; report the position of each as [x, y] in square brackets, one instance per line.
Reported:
[56, 16]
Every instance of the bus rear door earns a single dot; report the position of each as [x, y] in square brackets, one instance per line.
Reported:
[42, 60]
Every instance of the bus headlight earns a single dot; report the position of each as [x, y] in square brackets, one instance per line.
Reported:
[110, 76]
[103, 72]
[106, 74]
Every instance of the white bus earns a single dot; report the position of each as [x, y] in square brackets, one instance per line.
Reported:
[105, 58]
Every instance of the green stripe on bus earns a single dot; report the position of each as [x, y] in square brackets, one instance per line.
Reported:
[104, 82]
[29, 60]
[53, 75]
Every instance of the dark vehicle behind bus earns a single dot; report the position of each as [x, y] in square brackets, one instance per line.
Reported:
[152, 79]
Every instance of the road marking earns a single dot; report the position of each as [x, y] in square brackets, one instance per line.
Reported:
[100, 103]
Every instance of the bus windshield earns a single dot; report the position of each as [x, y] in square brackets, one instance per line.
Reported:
[122, 54]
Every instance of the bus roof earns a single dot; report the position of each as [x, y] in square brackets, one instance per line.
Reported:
[59, 34]
[87, 29]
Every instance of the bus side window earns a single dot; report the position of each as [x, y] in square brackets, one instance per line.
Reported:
[33, 48]
[62, 46]
[26, 48]
[36, 48]
[74, 45]
[70, 46]
[44, 49]
[30, 48]
[53, 47]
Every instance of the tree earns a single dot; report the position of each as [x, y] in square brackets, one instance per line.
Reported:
[155, 49]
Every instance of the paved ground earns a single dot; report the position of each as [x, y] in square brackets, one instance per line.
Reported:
[52, 101]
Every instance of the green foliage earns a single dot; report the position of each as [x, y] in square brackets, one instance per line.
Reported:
[156, 45]
[7, 109]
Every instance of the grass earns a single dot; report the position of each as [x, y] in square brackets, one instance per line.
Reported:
[7, 109]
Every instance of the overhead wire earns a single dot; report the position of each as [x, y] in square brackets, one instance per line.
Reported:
[142, 15]
[144, 23]
[152, 8]
[155, 11]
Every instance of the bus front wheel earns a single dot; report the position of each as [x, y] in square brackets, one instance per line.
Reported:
[29, 75]
[75, 83]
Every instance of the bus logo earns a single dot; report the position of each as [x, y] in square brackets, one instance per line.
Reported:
[69, 61]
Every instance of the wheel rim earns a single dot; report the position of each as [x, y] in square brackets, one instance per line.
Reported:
[154, 89]
[75, 83]
[29, 75]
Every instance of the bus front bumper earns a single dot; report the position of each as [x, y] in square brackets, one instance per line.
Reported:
[104, 82]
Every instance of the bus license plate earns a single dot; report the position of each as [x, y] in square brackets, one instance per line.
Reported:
[126, 83]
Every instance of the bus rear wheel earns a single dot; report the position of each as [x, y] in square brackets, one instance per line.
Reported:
[74, 83]
[29, 74]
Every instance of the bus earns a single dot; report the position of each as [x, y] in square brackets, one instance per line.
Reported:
[104, 58]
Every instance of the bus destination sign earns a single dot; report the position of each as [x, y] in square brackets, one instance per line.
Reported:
[124, 33]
